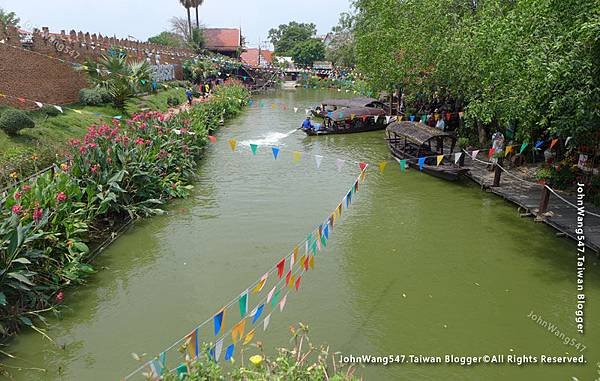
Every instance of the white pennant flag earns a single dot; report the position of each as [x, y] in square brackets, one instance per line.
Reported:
[567, 141]
[474, 154]
[375, 118]
[218, 349]
[58, 108]
[387, 119]
[270, 295]
[306, 111]
[282, 303]
[98, 70]
[457, 157]
[318, 159]
[339, 163]
[295, 109]
[40, 105]
[305, 247]
[266, 322]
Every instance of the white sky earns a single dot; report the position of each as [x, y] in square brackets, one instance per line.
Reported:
[144, 18]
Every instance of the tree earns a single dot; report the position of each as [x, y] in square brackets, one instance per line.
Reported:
[196, 4]
[187, 4]
[168, 39]
[308, 51]
[197, 40]
[9, 18]
[286, 37]
[179, 26]
[341, 50]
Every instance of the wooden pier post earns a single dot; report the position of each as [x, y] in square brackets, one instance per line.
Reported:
[544, 201]
[497, 172]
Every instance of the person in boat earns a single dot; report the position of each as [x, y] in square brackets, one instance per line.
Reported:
[307, 125]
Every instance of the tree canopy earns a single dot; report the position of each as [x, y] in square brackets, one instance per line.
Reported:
[341, 50]
[168, 39]
[9, 18]
[530, 64]
[286, 37]
[308, 51]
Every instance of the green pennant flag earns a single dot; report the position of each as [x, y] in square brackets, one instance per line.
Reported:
[181, 370]
[402, 165]
[323, 241]
[314, 247]
[244, 303]
[523, 146]
[253, 147]
[275, 298]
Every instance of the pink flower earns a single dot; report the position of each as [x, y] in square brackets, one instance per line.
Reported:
[61, 197]
[26, 188]
[140, 141]
[60, 296]
[37, 214]
[17, 209]
[18, 195]
[82, 149]
[95, 168]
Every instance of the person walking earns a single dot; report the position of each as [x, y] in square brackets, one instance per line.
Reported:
[190, 96]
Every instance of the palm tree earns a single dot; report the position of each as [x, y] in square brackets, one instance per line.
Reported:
[187, 4]
[196, 4]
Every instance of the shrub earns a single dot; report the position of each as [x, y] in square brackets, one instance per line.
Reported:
[173, 101]
[90, 97]
[12, 121]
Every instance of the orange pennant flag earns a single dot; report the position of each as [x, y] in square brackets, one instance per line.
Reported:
[191, 343]
[237, 332]
[509, 149]
[439, 159]
[553, 143]
[232, 144]
[382, 166]
[249, 337]
[295, 254]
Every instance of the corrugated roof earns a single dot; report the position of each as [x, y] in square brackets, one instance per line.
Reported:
[417, 132]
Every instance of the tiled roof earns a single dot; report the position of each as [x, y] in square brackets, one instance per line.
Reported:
[226, 39]
[250, 56]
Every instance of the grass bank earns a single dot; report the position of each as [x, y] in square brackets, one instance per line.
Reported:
[46, 141]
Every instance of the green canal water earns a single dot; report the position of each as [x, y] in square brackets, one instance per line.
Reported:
[417, 266]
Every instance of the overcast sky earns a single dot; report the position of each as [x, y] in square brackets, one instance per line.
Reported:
[144, 18]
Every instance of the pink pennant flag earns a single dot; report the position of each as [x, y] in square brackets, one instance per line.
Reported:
[213, 139]
[474, 154]
[339, 163]
[270, 294]
[282, 303]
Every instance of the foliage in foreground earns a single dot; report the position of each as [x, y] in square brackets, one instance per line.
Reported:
[128, 169]
[302, 362]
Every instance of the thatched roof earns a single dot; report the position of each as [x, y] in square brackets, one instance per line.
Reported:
[358, 112]
[417, 132]
[352, 102]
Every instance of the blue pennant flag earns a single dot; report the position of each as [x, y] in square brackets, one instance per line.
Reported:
[539, 144]
[330, 114]
[421, 163]
[229, 352]
[218, 321]
[412, 118]
[154, 85]
[250, 102]
[211, 354]
[326, 232]
[275, 152]
[258, 312]
[348, 199]
[118, 117]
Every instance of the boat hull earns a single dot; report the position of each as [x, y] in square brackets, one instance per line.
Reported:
[351, 130]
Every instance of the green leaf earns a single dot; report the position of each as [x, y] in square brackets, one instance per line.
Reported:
[24, 261]
[2, 299]
[25, 320]
[21, 278]
[82, 247]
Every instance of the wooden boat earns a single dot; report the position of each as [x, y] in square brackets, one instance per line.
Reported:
[410, 141]
[351, 120]
[332, 105]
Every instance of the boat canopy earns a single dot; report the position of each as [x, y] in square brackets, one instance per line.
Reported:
[418, 133]
[355, 113]
[353, 102]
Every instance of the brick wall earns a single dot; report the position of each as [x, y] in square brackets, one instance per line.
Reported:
[29, 73]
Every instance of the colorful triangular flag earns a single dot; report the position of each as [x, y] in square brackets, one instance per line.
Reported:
[282, 303]
[257, 312]
[218, 321]
[249, 337]
[421, 163]
[280, 267]
[439, 159]
[523, 146]
[382, 166]
[318, 159]
[296, 155]
[254, 147]
[237, 332]
[474, 154]
[457, 157]
[266, 322]
[229, 352]
[243, 302]
[339, 163]
[232, 144]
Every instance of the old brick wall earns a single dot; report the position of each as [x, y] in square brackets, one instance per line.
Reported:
[26, 69]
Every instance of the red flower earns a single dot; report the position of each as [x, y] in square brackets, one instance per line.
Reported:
[17, 209]
[95, 168]
[61, 197]
[60, 297]
[82, 149]
[37, 214]
[18, 195]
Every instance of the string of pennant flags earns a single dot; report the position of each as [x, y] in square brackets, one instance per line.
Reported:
[282, 280]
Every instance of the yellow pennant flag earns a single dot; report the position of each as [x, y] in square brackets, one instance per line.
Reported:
[232, 144]
[249, 337]
[261, 284]
[291, 282]
[362, 176]
[311, 262]
[509, 149]
[295, 253]
[77, 111]
[400, 118]
[297, 155]
[273, 106]
[237, 332]
[439, 159]
[382, 166]
[352, 116]
[191, 341]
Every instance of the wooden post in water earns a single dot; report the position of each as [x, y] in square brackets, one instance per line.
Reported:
[544, 201]
[497, 172]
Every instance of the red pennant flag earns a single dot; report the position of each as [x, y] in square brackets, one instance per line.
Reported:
[491, 152]
[553, 143]
[287, 277]
[280, 267]
[298, 282]
[213, 139]
[362, 165]
[364, 118]
[305, 263]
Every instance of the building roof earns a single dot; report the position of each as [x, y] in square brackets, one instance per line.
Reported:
[355, 112]
[222, 39]
[250, 56]
[419, 133]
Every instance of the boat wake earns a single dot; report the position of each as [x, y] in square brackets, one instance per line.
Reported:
[271, 138]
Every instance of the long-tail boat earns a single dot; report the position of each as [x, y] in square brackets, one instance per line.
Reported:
[332, 105]
[410, 141]
[350, 120]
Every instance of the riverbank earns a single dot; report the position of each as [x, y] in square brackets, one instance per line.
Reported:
[38, 147]
[126, 170]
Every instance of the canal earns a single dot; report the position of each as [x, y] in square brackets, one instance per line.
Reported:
[417, 265]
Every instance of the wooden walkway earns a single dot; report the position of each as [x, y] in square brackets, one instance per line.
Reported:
[527, 196]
